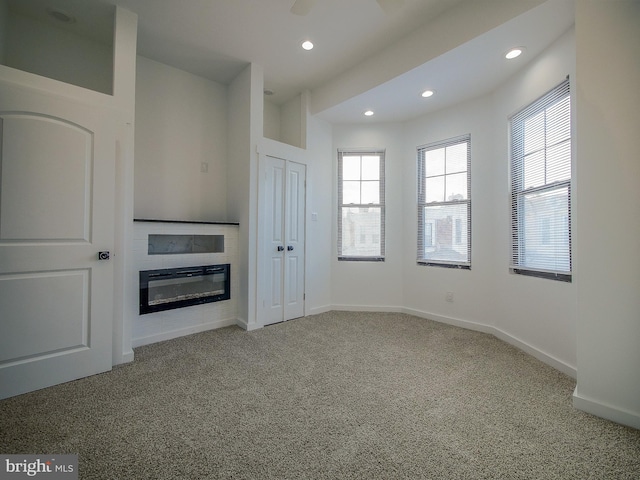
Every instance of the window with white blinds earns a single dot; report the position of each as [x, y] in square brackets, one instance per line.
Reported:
[444, 203]
[361, 205]
[541, 186]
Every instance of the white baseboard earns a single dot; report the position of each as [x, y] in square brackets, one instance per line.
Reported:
[479, 327]
[242, 323]
[127, 357]
[319, 310]
[456, 322]
[609, 412]
[365, 308]
[181, 332]
[502, 335]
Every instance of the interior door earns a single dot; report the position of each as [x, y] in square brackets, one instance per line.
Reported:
[57, 173]
[284, 214]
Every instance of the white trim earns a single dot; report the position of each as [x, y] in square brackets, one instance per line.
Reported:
[127, 357]
[478, 327]
[246, 326]
[501, 335]
[603, 410]
[366, 308]
[181, 332]
[319, 310]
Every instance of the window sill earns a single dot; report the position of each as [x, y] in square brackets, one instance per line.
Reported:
[426, 263]
[561, 277]
[361, 259]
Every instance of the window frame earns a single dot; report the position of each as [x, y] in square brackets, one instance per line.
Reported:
[518, 191]
[422, 204]
[381, 235]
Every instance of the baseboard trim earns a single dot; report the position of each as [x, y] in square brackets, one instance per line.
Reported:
[127, 357]
[181, 332]
[478, 327]
[366, 308]
[242, 323]
[318, 310]
[603, 410]
[502, 335]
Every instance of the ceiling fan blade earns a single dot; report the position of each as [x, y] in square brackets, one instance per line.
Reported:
[302, 7]
[390, 6]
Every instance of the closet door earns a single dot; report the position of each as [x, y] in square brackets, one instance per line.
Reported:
[282, 263]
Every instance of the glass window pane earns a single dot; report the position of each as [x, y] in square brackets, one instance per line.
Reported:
[534, 170]
[456, 188]
[434, 162]
[545, 231]
[534, 133]
[558, 122]
[371, 167]
[457, 158]
[370, 192]
[447, 242]
[559, 162]
[361, 230]
[350, 192]
[434, 189]
[351, 167]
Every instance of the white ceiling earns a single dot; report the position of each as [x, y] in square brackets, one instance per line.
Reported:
[216, 39]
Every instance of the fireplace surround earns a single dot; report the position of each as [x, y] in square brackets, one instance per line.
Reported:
[170, 288]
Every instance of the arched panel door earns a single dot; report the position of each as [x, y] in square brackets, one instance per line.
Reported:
[57, 171]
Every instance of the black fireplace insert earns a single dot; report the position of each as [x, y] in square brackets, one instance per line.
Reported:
[171, 288]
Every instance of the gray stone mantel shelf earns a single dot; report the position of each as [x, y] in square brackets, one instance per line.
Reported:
[183, 221]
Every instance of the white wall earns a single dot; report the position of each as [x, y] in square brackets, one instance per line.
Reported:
[245, 118]
[291, 122]
[425, 287]
[181, 123]
[320, 216]
[608, 209]
[539, 312]
[37, 47]
[271, 124]
[285, 123]
[377, 285]
[535, 314]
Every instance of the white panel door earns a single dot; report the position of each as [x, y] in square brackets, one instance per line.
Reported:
[283, 210]
[57, 173]
[293, 293]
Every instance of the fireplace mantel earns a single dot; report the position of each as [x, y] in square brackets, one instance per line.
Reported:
[191, 222]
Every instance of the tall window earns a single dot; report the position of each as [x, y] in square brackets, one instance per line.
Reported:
[444, 203]
[541, 186]
[361, 205]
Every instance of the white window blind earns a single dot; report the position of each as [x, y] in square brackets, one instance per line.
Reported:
[361, 205]
[541, 186]
[444, 203]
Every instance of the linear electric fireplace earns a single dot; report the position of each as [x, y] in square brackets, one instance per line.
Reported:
[171, 288]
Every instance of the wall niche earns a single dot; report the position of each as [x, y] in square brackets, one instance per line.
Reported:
[68, 40]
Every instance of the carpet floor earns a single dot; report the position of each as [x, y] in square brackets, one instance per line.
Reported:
[340, 395]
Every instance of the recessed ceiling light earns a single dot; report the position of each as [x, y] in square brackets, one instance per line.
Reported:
[427, 93]
[61, 16]
[514, 52]
[368, 113]
[307, 45]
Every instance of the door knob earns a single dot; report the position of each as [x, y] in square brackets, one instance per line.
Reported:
[104, 255]
[280, 248]
[289, 248]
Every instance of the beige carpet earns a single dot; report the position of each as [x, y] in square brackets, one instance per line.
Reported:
[332, 396]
